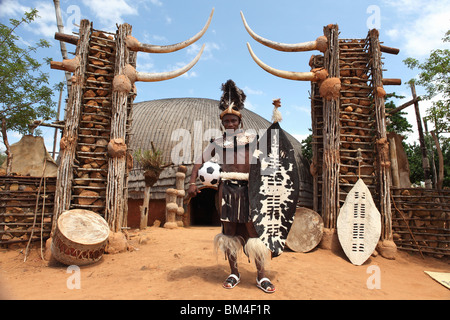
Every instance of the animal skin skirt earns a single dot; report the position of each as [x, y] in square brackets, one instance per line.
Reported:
[235, 202]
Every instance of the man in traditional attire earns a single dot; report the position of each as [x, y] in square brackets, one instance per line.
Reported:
[235, 149]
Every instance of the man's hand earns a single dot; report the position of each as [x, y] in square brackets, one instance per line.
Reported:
[193, 190]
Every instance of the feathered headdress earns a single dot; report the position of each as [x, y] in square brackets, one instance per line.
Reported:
[232, 100]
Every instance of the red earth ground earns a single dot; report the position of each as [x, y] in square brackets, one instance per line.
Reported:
[180, 264]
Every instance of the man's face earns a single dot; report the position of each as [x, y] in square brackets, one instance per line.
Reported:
[231, 122]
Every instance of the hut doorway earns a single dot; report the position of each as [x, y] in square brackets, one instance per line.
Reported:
[203, 210]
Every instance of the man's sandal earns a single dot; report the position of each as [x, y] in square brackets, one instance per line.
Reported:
[265, 285]
[231, 281]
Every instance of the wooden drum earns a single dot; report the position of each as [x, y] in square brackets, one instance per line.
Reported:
[80, 237]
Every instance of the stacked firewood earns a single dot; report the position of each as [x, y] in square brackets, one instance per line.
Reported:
[91, 171]
[26, 207]
[356, 116]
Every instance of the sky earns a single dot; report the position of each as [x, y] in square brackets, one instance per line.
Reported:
[415, 27]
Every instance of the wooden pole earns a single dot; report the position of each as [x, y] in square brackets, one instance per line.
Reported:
[55, 135]
[66, 38]
[59, 23]
[383, 163]
[423, 147]
[394, 163]
[389, 49]
[150, 179]
[132, 59]
[64, 180]
[9, 155]
[391, 82]
[433, 164]
[115, 189]
[331, 135]
[144, 208]
[403, 106]
[440, 179]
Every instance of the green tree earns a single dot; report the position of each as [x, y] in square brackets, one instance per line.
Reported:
[446, 154]
[24, 92]
[397, 122]
[2, 158]
[414, 155]
[434, 77]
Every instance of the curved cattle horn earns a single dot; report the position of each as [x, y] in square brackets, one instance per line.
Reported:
[319, 44]
[173, 47]
[291, 75]
[153, 77]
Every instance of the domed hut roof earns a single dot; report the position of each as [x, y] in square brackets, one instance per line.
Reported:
[181, 124]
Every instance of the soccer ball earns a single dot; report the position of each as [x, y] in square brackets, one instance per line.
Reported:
[209, 173]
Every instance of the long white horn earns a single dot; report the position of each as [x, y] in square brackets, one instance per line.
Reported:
[291, 75]
[153, 77]
[135, 45]
[319, 44]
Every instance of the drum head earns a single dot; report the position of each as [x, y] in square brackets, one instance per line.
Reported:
[83, 227]
[306, 231]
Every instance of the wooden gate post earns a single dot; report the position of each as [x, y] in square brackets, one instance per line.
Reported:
[68, 144]
[331, 135]
[117, 175]
[423, 147]
[383, 164]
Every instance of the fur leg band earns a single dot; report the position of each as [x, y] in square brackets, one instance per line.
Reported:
[227, 244]
[257, 251]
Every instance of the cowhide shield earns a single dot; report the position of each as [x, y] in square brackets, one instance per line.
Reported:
[359, 224]
[273, 188]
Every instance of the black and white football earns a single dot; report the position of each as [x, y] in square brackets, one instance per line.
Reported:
[209, 174]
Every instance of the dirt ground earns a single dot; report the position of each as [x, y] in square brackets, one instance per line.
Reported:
[180, 264]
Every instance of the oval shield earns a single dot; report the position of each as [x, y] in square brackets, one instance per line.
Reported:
[273, 188]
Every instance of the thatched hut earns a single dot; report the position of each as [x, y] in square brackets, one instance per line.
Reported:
[172, 124]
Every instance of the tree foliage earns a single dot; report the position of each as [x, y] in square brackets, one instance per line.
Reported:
[24, 92]
[397, 122]
[434, 77]
[446, 153]
[414, 155]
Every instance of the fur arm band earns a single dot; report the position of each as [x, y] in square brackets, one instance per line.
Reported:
[234, 176]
